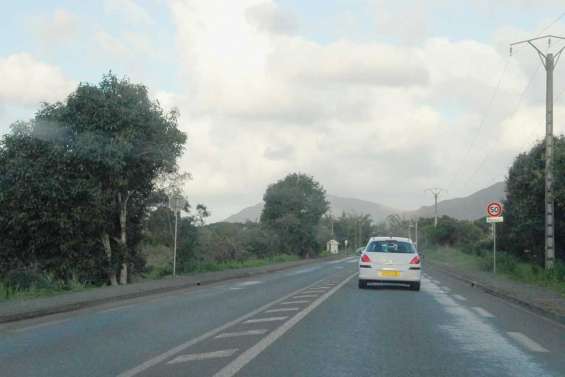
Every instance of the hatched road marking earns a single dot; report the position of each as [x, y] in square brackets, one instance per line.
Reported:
[295, 302]
[181, 347]
[526, 342]
[239, 362]
[241, 333]
[269, 319]
[203, 356]
[282, 310]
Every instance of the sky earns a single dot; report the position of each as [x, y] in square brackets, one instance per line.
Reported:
[376, 99]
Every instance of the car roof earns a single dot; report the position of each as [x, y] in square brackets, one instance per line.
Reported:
[404, 239]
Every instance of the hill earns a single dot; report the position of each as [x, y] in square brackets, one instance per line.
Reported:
[338, 205]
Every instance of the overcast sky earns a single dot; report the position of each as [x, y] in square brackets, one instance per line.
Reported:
[376, 99]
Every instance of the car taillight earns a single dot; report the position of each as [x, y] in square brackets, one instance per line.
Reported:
[365, 258]
[415, 260]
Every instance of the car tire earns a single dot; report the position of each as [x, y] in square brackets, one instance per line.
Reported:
[362, 284]
[415, 286]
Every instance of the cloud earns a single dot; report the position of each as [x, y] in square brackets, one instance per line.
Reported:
[27, 81]
[271, 18]
[58, 28]
[129, 10]
[379, 120]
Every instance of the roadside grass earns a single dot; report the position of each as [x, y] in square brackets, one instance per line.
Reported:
[507, 266]
[38, 290]
[247, 263]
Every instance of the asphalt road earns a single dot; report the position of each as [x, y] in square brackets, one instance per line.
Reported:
[307, 321]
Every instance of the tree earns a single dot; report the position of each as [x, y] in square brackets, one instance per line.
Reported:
[91, 164]
[293, 209]
[524, 225]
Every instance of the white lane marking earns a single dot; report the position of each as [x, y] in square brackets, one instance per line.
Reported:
[40, 325]
[352, 261]
[268, 319]
[303, 271]
[235, 288]
[239, 362]
[247, 283]
[460, 298]
[282, 310]
[305, 296]
[241, 333]
[483, 312]
[295, 302]
[526, 342]
[116, 309]
[203, 356]
[315, 290]
[181, 347]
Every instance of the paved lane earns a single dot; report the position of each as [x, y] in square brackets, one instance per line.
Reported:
[308, 321]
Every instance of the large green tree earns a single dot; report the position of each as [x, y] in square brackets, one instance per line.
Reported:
[523, 228]
[293, 209]
[103, 149]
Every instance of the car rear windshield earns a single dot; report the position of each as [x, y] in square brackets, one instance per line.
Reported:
[391, 247]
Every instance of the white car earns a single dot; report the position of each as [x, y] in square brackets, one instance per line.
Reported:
[390, 260]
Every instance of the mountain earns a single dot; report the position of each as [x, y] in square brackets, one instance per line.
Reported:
[338, 205]
[471, 207]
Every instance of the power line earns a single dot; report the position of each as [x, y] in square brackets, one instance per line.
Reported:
[551, 24]
[489, 151]
[484, 117]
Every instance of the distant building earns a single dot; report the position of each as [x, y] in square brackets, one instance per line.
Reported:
[332, 247]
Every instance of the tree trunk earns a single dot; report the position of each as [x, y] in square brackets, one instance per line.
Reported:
[108, 249]
[123, 235]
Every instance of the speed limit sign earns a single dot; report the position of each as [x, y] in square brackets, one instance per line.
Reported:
[494, 209]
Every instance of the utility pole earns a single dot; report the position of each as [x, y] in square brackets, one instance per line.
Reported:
[176, 204]
[549, 61]
[436, 191]
[416, 231]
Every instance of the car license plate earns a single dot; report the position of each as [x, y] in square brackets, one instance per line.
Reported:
[389, 273]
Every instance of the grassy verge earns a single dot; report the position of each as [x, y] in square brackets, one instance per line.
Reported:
[507, 266]
[39, 291]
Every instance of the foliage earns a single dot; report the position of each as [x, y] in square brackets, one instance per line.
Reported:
[75, 181]
[293, 209]
[523, 230]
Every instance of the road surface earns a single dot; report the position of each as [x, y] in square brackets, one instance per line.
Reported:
[308, 321]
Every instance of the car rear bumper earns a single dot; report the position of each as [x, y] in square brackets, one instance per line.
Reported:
[372, 274]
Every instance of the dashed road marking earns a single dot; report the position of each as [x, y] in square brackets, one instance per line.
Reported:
[235, 288]
[282, 310]
[268, 319]
[305, 296]
[241, 333]
[248, 283]
[203, 356]
[483, 312]
[460, 298]
[294, 302]
[526, 342]
[116, 309]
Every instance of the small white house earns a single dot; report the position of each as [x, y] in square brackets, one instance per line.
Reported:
[332, 247]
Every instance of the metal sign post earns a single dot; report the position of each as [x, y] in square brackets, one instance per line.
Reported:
[494, 215]
[176, 203]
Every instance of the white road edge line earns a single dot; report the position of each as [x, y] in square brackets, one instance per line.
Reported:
[241, 333]
[483, 312]
[181, 347]
[526, 342]
[116, 309]
[460, 298]
[239, 362]
[203, 356]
